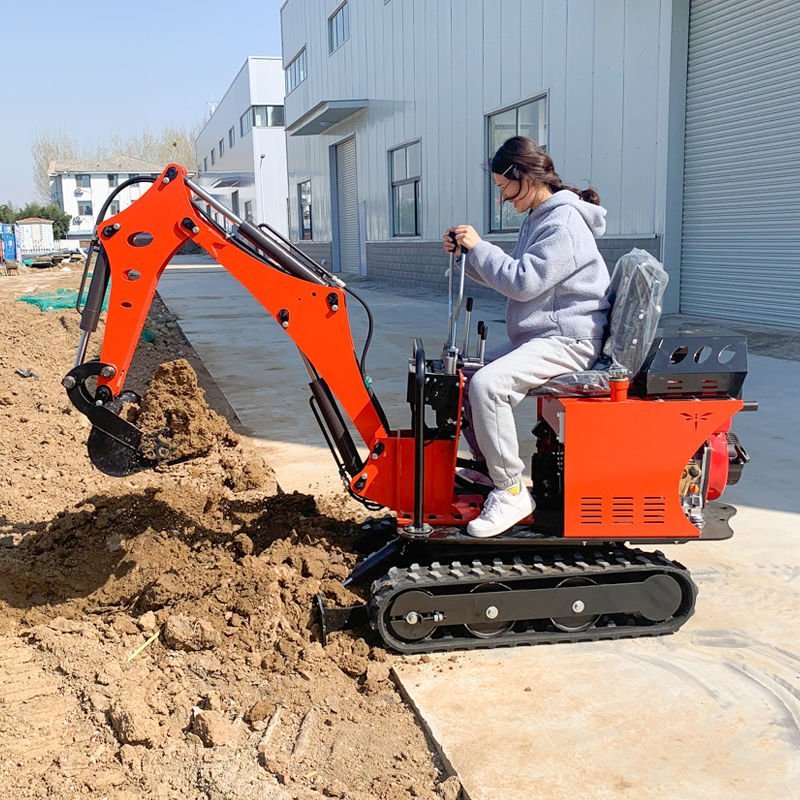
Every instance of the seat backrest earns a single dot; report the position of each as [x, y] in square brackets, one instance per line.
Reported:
[635, 293]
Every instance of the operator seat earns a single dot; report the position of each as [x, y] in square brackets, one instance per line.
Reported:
[635, 294]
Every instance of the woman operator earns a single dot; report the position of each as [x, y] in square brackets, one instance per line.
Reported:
[555, 280]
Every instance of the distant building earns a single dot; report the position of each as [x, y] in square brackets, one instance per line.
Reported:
[241, 150]
[80, 188]
[36, 235]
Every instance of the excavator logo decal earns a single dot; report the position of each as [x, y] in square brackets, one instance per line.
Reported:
[696, 418]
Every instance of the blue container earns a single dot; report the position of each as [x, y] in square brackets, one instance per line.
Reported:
[9, 242]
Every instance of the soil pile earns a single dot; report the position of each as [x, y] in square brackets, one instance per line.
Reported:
[175, 414]
[175, 409]
[157, 636]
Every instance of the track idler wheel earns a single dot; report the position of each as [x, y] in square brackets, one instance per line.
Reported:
[579, 622]
[488, 630]
[406, 622]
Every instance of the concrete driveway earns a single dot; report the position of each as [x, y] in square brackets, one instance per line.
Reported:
[711, 712]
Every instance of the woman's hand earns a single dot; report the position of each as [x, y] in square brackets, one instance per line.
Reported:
[466, 236]
[449, 240]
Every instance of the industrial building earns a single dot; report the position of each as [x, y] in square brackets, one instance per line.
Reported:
[241, 149]
[682, 113]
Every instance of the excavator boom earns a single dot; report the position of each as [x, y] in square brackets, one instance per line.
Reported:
[131, 251]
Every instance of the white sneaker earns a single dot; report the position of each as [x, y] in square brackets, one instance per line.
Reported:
[503, 509]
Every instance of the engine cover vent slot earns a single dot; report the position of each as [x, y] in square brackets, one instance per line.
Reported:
[623, 510]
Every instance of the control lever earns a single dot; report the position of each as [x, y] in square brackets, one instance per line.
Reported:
[483, 332]
[454, 312]
[467, 318]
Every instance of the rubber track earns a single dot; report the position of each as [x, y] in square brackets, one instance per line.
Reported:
[597, 564]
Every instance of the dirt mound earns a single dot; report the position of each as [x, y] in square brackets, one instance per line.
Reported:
[156, 633]
[236, 663]
[175, 410]
[174, 407]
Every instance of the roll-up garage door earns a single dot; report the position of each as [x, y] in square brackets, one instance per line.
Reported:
[347, 207]
[741, 201]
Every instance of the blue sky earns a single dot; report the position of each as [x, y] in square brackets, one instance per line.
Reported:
[92, 69]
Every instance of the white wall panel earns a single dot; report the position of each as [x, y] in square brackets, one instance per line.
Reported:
[662, 117]
[554, 77]
[492, 56]
[578, 153]
[531, 29]
[640, 113]
[511, 53]
[463, 111]
[607, 108]
[470, 204]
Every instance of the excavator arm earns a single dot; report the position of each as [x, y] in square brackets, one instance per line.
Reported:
[131, 251]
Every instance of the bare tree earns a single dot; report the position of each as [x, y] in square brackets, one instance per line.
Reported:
[171, 144]
[46, 148]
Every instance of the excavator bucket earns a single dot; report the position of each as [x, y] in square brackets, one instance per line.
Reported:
[116, 447]
[115, 458]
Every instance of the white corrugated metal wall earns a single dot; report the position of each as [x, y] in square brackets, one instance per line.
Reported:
[433, 70]
[741, 205]
[348, 251]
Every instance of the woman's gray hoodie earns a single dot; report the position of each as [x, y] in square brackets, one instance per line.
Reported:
[555, 278]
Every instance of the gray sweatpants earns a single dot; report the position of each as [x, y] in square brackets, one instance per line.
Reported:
[500, 385]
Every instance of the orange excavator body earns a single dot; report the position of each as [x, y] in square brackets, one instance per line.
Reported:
[613, 469]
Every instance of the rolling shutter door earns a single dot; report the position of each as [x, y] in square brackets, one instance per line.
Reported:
[740, 254]
[347, 207]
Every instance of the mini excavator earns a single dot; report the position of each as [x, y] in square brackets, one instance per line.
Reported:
[626, 454]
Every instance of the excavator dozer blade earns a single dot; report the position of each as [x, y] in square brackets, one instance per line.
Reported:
[113, 458]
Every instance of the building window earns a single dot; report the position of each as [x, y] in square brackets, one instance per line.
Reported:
[246, 122]
[296, 71]
[248, 210]
[85, 209]
[235, 202]
[267, 116]
[231, 137]
[527, 119]
[221, 147]
[304, 203]
[83, 181]
[339, 27]
[113, 180]
[114, 208]
[405, 165]
[213, 156]
[205, 164]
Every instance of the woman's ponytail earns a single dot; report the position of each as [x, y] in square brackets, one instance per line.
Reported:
[589, 195]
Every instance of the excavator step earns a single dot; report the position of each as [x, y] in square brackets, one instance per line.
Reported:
[572, 595]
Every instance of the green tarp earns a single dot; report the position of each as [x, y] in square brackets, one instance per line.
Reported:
[57, 300]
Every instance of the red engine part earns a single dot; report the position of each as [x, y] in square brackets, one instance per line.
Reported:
[718, 464]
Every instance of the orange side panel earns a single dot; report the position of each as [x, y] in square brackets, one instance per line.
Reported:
[623, 462]
[390, 478]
